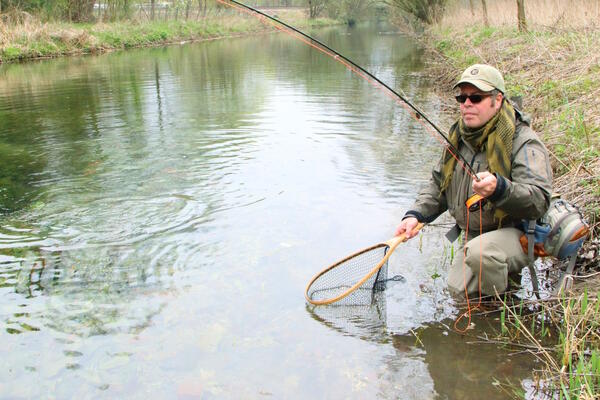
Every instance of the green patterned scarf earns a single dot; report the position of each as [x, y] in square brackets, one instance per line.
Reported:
[495, 137]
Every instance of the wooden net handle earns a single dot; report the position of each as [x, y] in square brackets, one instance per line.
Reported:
[392, 243]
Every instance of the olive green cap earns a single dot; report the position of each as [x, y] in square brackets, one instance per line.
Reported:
[484, 77]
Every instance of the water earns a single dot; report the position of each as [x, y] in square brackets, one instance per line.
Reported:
[163, 210]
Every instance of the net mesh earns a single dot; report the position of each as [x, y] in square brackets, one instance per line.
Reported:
[342, 276]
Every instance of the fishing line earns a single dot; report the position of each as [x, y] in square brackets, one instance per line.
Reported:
[417, 114]
[470, 309]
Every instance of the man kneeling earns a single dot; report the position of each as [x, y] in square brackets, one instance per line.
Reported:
[515, 181]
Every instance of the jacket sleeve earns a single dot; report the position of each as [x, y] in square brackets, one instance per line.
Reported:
[430, 203]
[526, 193]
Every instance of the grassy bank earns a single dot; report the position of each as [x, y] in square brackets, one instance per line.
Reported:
[554, 69]
[24, 37]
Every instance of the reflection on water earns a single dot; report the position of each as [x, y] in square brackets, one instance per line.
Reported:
[162, 210]
[462, 367]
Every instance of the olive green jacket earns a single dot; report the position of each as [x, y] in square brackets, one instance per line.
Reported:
[525, 194]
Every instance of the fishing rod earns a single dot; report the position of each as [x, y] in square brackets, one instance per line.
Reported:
[354, 67]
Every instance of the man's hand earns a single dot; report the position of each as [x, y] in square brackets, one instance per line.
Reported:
[486, 185]
[407, 226]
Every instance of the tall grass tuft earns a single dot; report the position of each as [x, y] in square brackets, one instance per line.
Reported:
[572, 368]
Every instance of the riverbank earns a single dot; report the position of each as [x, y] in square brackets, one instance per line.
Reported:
[24, 37]
[553, 70]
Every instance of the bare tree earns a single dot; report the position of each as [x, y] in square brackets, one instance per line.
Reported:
[80, 10]
[522, 22]
[188, 6]
[486, 21]
[316, 7]
[427, 11]
[472, 8]
[355, 8]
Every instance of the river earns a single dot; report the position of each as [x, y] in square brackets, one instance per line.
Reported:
[163, 210]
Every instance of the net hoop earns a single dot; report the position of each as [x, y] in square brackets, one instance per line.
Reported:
[391, 243]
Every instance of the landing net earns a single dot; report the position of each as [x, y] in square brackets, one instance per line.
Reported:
[336, 283]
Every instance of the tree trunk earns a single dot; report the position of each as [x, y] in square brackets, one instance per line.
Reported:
[152, 6]
[472, 8]
[486, 22]
[202, 9]
[81, 10]
[315, 7]
[522, 22]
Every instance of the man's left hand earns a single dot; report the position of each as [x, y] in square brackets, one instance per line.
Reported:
[486, 185]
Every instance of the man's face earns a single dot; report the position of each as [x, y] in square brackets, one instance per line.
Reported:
[475, 115]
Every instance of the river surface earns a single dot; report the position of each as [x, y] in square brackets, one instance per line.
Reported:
[163, 210]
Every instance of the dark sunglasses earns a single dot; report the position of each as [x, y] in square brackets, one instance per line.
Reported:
[474, 98]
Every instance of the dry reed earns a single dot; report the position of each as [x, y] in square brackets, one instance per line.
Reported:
[540, 14]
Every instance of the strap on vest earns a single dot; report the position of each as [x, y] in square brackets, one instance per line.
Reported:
[453, 233]
[530, 243]
[566, 277]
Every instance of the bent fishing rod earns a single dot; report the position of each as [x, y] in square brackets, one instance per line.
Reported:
[357, 69]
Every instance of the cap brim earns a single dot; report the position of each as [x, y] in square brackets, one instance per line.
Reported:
[479, 84]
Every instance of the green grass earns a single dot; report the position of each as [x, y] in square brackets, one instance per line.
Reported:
[578, 136]
[57, 39]
[11, 53]
[483, 34]
[578, 359]
[450, 49]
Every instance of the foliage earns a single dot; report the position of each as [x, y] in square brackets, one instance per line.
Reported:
[111, 10]
[11, 53]
[118, 10]
[30, 38]
[425, 11]
[349, 11]
[68, 10]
